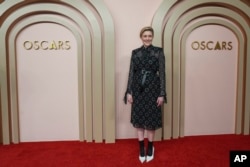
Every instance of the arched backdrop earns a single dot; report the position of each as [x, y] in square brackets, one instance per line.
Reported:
[92, 26]
[173, 22]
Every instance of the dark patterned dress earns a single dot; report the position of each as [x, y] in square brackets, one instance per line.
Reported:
[146, 82]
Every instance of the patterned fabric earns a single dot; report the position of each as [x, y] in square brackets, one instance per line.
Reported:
[146, 82]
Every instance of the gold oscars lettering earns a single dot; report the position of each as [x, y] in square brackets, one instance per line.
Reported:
[47, 45]
[212, 45]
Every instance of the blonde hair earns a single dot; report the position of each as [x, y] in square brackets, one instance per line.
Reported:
[148, 28]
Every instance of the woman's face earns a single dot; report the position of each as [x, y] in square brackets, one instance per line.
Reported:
[147, 38]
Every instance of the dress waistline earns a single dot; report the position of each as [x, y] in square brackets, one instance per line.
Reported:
[145, 74]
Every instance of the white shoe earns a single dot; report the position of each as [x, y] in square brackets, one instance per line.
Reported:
[142, 159]
[150, 158]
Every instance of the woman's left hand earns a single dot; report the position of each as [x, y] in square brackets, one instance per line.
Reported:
[160, 101]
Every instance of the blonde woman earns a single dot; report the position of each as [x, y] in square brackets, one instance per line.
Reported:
[146, 91]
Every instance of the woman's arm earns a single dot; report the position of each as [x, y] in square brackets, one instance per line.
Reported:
[128, 93]
[162, 75]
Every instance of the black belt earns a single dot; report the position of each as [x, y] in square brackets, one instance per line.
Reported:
[144, 75]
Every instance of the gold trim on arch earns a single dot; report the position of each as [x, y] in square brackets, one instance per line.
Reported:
[96, 51]
[164, 22]
[158, 25]
[109, 68]
[13, 83]
[219, 11]
[240, 72]
[12, 52]
[1, 132]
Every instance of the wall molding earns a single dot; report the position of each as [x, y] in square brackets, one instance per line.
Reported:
[90, 18]
[166, 23]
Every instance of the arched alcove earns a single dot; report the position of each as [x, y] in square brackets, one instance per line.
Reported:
[90, 22]
[171, 20]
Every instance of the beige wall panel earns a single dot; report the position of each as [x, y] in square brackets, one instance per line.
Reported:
[202, 11]
[184, 5]
[158, 28]
[47, 18]
[210, 83]
[95, 94]
[47, 85]
[5, 5]
[108, 72]
[88, 63]
[240, 64]
[4, 93]
[1, 128]
[96, 70]
[247, 98]
[127, 25]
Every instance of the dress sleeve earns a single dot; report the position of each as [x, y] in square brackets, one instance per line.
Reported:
[162, 75]
[130, 79]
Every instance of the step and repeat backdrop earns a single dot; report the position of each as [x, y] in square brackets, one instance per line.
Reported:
[64, 68]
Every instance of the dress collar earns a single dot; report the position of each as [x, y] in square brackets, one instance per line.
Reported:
[146, 48]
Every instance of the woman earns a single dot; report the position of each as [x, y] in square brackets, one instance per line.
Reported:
[146, 91]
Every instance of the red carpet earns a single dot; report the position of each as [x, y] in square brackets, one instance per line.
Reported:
[195, 151]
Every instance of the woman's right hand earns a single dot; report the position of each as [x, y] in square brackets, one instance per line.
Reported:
[129, 98]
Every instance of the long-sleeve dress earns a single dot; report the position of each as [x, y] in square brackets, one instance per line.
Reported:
[146, 82]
